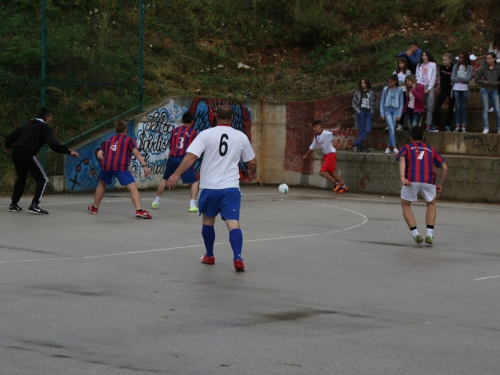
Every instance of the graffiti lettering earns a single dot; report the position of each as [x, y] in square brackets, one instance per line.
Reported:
[480, 143]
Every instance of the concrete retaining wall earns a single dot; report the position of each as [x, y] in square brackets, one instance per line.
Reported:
[280, 136]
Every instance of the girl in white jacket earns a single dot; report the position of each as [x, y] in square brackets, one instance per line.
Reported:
[426, 75]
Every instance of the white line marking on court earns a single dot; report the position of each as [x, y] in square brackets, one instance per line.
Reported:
[486, 278]
[365, 220]
[81, 202]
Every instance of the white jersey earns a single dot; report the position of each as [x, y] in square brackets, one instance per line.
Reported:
[325, 141]
[223, 147]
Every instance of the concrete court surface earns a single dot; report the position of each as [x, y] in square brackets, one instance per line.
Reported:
[334, 285]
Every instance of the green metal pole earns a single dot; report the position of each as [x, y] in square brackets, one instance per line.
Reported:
[141, 52]
[44, 70]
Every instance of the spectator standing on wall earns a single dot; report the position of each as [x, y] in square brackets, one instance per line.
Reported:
[223, 148]
[114, 156]
[416, 169]
[180, 139]
[414, 104]
[488, 78]
[364, 103]
[461, 76]
[426, 75]
[495, 48]
[24, 144]
[391, 109]
[412, 55]
[445, 86]
[402, 72]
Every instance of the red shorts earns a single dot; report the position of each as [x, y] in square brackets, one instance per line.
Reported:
[329, 163]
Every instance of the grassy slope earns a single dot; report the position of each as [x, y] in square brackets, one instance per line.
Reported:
[296, 50]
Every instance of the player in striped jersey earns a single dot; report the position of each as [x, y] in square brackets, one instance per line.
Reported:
[416, 167]
[115, 157]
[180, 140]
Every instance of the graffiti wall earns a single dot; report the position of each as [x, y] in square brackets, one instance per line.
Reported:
[152, 132]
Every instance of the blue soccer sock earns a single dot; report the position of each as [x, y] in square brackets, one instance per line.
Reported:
[236, 241]
[208, 233]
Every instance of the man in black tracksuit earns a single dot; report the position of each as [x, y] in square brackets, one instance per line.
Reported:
[24, 143]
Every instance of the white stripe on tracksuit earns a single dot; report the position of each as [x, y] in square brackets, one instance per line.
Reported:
[35, 159]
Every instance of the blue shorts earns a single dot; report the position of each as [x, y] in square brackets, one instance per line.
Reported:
[188, 177]
[124, 177]
[225, 201]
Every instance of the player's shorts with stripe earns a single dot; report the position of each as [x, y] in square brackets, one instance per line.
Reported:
[427, 191]
[329, 163]
[188, 177]
[225, 201]
[124, 177]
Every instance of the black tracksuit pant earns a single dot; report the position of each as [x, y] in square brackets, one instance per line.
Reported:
[24, 162]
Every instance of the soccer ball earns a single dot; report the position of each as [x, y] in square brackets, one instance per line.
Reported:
[283, 188]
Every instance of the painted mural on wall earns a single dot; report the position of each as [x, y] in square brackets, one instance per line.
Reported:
[152, 137]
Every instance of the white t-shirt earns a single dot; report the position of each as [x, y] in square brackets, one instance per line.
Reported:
[325, 141]
[223, 147]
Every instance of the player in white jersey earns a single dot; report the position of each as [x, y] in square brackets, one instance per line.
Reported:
[222, 148]
[323, 138]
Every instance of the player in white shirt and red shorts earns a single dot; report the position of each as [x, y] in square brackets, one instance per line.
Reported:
[323, 138]
[222, 147]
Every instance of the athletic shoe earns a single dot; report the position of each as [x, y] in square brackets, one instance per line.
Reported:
[336, 187]
[239, 265]
[447, 129]
[143, 213]
[490, 110]
[154, 205]
[486, 131]
[457, 129]
[399, 128]
[37, 210]
[364, 150]
[395, 150]
[14, 207]
[92, 209]
[386, 128]
[428, 128]
[463, 129]
[434, 129]
[429, 240]
[193, 209]
[355, 148]
[342, 189]
[208, 260]
[418, 239]
[387, 150]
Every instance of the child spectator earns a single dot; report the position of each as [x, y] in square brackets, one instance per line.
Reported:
[461, 76]
[363, 102]
[323, 138]
[488, 77]
[414, 104]
[495, 48]
[391, 109]
[426, 75]
[445, 86]
[402, 72]
[412, 56]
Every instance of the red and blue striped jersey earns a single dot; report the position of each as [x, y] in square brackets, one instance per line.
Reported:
[181, 139]
[420, 160]
[117, 151]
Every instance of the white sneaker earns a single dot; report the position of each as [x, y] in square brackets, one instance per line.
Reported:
[486, 131]
[387, 150]
[395, 150]
[490, 110]
[399, 128]
[386, 128]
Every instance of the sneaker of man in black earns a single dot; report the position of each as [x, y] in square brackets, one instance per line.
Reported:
[14, 207]
[35, 209]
